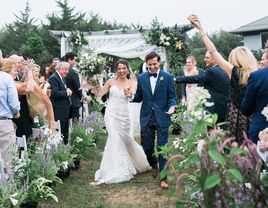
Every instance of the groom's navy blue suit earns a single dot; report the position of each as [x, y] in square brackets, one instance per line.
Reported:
[153, 112]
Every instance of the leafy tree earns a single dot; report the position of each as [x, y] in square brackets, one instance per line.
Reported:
[14, 34]
[68, 18]
[34, 48]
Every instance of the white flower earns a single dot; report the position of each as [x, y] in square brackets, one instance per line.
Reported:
[65, 165]
[78, 139]
[13, 200]
[176, 143]
[200, 146]
[265, 112]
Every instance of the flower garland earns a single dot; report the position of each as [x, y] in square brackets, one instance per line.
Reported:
[172, 40]
[77, 40]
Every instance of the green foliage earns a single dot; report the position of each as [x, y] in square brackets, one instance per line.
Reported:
[39, 189]
[221, 170]
[11, 195]
[94, 106]
[35, 48]
[81, 141]
[172, 40]
[63, 158]
[212, 181]
[68, 18]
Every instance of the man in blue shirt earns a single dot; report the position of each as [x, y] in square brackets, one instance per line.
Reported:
[9, 108]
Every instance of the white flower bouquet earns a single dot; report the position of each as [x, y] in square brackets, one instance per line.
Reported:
[91, 64]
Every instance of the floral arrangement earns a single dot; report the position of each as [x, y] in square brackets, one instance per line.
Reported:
[209, 169]
[91, 64]
[77, 40]
[173, 41]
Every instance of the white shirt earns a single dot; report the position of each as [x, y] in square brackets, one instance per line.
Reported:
[153, 81]
[62, 80]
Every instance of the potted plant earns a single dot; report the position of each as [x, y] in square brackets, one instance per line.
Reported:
[10, 194]
[38, 189]
[63, 158]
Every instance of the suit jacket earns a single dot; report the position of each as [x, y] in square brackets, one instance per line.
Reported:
[72, 82]
[255, 99]
[217, 82]
[159, 102]
[199, 84]
[60, 101]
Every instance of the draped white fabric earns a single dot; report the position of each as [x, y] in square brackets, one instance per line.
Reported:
[116, 43]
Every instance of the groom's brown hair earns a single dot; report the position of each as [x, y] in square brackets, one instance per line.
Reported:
[151, 56]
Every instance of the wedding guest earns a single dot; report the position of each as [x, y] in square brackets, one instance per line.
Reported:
[264, 61]
[240, 64]
[216, 81]
[190, 70]
[25, 121]
[254, 101]
[122, 157]
[156, 91]
[73, 82]
[60, 97]
[9, 108]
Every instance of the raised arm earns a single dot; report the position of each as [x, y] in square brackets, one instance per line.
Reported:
[225, 65]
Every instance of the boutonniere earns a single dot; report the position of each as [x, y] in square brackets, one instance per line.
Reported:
[161, 78]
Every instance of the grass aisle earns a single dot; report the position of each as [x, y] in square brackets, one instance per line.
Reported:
[141, 192]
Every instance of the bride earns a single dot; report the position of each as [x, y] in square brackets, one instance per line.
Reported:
[123, 157]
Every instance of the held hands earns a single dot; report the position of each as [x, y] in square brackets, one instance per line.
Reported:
[29, 78]
[128, 92]
[69, 92]
[195, 21]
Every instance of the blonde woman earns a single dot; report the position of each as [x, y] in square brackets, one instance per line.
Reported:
[240, 64]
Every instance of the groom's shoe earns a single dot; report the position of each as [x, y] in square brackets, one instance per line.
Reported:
[164, 184]
[154, 171]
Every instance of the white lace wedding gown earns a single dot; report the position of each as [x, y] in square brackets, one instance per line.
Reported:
[122, 157]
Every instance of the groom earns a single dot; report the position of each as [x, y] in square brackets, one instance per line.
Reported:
[157, 93]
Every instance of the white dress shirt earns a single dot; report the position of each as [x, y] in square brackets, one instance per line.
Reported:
[153, 81]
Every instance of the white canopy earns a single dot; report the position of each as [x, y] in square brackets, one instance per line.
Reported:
[121, 43]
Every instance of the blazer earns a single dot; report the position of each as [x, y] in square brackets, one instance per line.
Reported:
[199, 84]
[217, 82]
[60, 101]
[255, 99]
[73, 82]
[163, 98]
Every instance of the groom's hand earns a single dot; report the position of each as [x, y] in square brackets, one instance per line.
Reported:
[171, 110]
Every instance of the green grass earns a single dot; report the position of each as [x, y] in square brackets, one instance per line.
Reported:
[141, 192]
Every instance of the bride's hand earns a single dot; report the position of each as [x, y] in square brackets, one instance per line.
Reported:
[128, 92]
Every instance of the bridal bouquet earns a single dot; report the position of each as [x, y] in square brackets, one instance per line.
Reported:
[91, 64]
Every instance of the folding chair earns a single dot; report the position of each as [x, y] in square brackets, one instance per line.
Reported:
[2, 166]
[22, 147]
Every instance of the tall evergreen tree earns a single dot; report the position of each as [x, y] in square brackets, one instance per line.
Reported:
[14, 34]
[68, 18]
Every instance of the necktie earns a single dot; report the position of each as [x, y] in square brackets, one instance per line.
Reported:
[154, 75]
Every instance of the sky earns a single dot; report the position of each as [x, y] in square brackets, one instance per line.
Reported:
[214, 14]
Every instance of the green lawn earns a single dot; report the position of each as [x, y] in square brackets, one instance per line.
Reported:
[141, 192]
